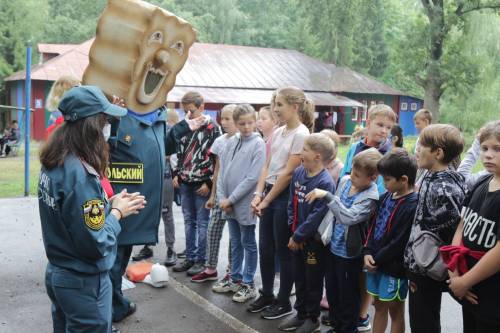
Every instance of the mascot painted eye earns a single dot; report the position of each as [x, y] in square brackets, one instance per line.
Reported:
[178, 46]
[138, 51]
[156, 37]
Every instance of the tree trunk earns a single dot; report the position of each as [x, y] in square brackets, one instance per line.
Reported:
[433, 82]
[432, 96]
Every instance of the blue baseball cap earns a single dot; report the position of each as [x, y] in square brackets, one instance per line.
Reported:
[85, 101]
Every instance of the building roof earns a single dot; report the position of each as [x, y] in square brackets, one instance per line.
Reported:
[55, 48]
[219, 65]
[72, 62]
[253, 71]
[347, 80]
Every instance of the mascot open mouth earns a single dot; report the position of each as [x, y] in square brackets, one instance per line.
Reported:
[151, 83]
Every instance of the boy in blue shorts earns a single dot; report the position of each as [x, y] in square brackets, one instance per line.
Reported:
[387, 238]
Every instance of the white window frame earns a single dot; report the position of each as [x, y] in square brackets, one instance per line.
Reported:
[355, 114]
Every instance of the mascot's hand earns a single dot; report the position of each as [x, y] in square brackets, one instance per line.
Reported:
[195, 123]
[118, 101]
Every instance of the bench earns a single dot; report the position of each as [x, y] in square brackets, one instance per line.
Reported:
[14, 147]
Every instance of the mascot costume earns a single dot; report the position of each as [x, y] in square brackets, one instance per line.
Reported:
[138, 51]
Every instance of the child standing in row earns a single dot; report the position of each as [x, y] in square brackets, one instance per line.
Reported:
[383, 253]
[349, 210]
[477, 281]
[240, 166]
[421, 119]
[335, 166]
[271, 199]
[217, 223]
[438, 210]
[381, 119]
[193, 176]
[308, 254]
[266, 124]
[397, 140]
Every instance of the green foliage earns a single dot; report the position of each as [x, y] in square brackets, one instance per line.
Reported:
[72, 21]
[20, 24]
[470, 106]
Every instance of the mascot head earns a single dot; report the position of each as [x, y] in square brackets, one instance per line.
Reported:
[138, 51]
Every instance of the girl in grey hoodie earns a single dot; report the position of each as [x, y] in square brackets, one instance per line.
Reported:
[240, 164]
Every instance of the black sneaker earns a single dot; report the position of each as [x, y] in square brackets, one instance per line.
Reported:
[182, 254]
[196, 269]
[291, 324]
[131, 310]
[183, 266]
[325, 320]
[309, 326]
[171, 259]
[144, 253]
[276, 311]
[261, 303]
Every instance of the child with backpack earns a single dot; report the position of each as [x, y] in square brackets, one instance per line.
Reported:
[438, 212]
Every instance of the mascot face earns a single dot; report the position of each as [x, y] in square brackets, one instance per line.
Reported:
[138, 51]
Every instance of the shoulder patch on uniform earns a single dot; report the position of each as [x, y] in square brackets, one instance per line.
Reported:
[93, 214]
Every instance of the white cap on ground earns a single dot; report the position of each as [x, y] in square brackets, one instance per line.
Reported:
[158, 277]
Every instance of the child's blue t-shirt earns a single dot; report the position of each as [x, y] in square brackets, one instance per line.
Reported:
[337, 243]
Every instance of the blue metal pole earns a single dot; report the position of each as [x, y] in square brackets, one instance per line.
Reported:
[27, 111]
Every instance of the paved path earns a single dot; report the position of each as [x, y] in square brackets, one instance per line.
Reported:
[181, 307]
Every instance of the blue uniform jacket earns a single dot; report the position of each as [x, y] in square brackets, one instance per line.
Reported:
[78, 232]
[137, 164]
[358, 147]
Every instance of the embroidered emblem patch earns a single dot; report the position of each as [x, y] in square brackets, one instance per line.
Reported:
[128, 138]
[311, 258]
[93, 214]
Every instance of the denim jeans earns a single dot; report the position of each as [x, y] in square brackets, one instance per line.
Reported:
[243, 246]
[274, 234]
[167, 214]
[196, 218]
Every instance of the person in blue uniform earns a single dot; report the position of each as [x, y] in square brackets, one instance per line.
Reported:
[137, 163]
[80, 224]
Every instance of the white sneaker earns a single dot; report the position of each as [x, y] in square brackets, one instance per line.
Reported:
[244, 293]
[226, 285]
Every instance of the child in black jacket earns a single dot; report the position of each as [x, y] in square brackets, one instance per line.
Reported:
[387, 239]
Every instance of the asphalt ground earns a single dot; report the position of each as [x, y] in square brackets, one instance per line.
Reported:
[182, 306]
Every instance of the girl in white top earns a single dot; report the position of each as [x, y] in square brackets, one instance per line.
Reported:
[296, 111]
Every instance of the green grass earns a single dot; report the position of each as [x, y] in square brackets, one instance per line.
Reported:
[12, 173]
[12, 168]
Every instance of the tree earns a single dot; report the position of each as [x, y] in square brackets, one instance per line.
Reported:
[72, 21]
[470, 107]
[20, 22]
[443, 18]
